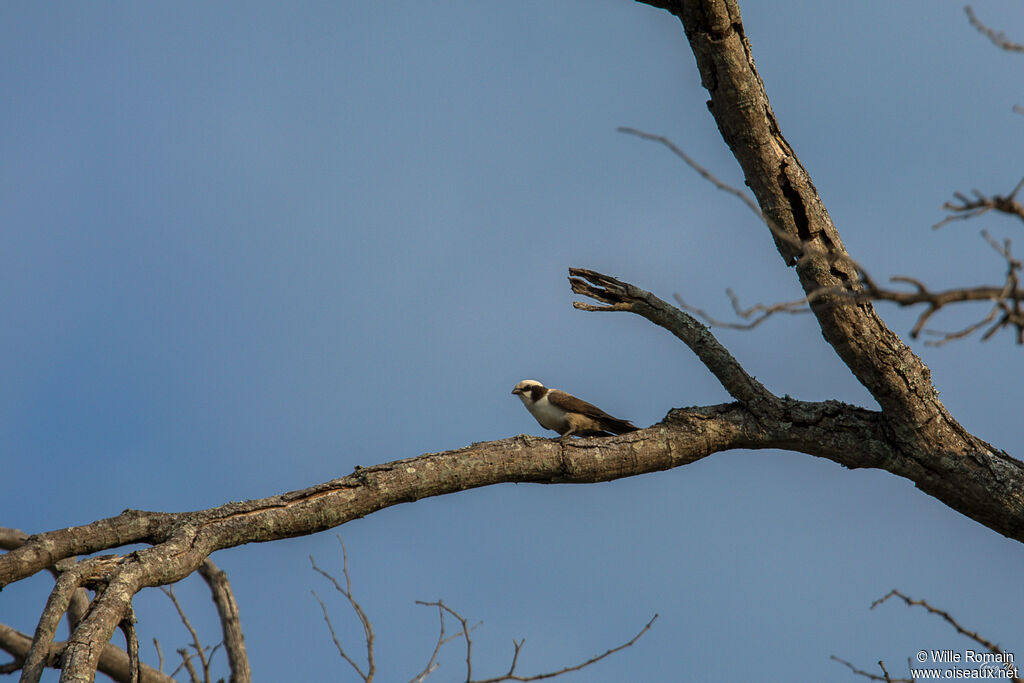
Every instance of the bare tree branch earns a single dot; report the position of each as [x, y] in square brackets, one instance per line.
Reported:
[200, 650]
[704, 173]
[511, 675]
[231, 625]
[874, 677]
[966, 208]
[464, 632]
[371, 666]
[987, 485]
[1002, 657]
[159, 654]
[997, 37]
[131, 645]
[973, 635]
[896, 378]
[616, 295]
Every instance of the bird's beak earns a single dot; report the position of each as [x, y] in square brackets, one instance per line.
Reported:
[515, 391]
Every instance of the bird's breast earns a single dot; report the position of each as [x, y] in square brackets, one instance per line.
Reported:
[548, 415]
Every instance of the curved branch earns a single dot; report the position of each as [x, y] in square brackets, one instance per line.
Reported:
[230, 623]
[622, 296]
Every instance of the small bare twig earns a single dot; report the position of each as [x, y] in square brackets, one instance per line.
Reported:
[159, 654]
[966, 208]
[704, 173]
[432, 663]
[371, 666]
[911, 602]
[511, 675]
[874, 677]
[186, 662]
[973, 635]
[998, 38]
[231, 625]
[465, 629]
[197, 645]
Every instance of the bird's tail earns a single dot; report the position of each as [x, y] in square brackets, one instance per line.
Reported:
[618, 426]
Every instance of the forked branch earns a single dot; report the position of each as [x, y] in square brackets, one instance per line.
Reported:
[999, 658]
[465, 632]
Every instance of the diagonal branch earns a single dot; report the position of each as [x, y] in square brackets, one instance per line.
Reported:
[364, 621]
[973, 635]
[998, 38]
[620, 296]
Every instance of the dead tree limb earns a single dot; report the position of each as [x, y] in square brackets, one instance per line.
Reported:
[230, 622]
[998, 38]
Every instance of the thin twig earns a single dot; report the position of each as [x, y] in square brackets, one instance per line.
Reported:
[511, 675]
[998, 38]
[371, 667]
[160, 655]
[910, 602]
[966, 208]
[874, 677]
[197, 645]
[704, 173]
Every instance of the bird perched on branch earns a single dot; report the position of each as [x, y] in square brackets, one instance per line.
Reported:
[566, 414]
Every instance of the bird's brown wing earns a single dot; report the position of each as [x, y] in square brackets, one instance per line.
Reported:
[568, 402]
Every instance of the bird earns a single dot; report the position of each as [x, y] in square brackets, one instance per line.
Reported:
[564, 413]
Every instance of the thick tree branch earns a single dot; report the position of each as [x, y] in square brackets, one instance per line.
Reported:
[927, 438]
[832, 430]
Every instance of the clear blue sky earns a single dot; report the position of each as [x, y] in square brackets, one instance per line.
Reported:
[247, 246]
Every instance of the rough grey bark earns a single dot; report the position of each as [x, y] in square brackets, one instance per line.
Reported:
[912, 436]
[944, 459]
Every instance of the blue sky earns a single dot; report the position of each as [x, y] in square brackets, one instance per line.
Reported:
[248, 246]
